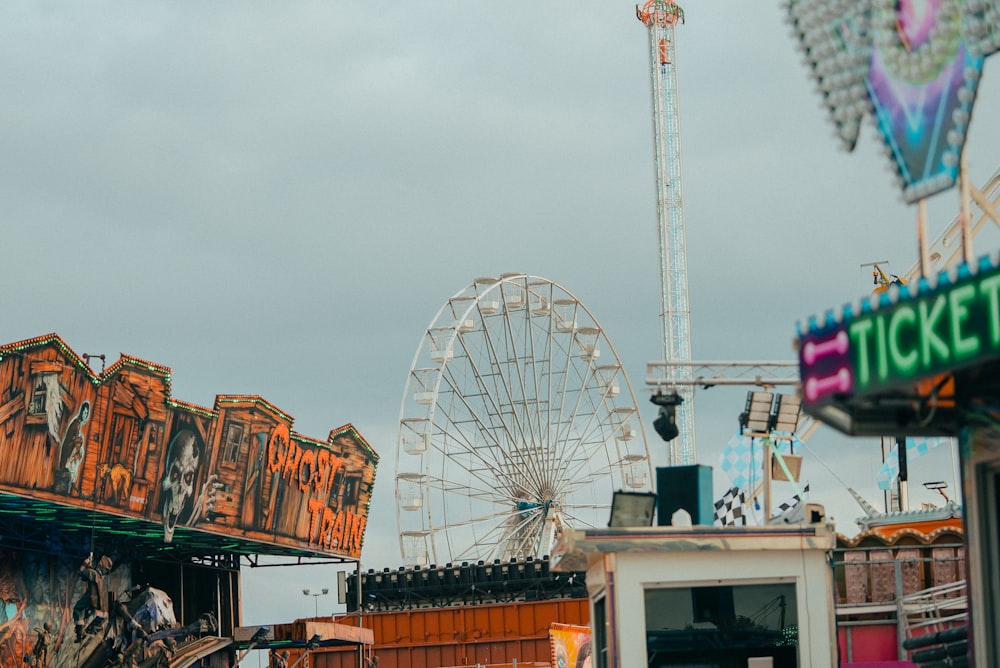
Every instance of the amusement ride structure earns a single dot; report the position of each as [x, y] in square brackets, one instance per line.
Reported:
[660, 17]
[517, 421]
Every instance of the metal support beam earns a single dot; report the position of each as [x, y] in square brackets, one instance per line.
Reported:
[662, 375]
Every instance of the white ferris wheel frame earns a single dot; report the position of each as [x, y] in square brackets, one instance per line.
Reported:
[508, 388]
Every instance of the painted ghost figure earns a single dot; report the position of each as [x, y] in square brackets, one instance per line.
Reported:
[182, 503]
[72, 452]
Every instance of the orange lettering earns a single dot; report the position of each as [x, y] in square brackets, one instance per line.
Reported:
[315, 505]
[338, 531]
[356, 546]
[291, 461]
[336, 463]
[305, 477]
[277, 450]
[326, 531]
[322, 462]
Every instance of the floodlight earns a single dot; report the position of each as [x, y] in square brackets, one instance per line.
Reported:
[632, 509]
[785, 413]
[756, 415]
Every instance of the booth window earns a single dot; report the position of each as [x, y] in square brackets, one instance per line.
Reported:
[722, 625]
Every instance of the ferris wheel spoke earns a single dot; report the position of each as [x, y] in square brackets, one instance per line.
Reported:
[555, 394]
[495, 528]
[484, 424]
[469, 426]
[522, 385]
[514, 429]
[514, 532]
[518, 336]
[573, 412]
[575, 483]
[587, 443]
[541, 361]
[574, 441]
[473, 457]
[587, 521]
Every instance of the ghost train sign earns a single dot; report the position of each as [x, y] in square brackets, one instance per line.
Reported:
[117, 443]
[904, 362]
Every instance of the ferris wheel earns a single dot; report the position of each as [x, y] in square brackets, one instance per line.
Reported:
[517, 422]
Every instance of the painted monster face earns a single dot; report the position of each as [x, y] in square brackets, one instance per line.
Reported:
[183, 458]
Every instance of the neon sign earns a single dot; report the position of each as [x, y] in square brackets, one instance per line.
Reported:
[895, 341]
[914, 65]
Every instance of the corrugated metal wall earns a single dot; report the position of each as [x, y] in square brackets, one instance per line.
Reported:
[461, 636]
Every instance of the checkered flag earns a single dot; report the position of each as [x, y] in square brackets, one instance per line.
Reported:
[729, 509]
[785, 506]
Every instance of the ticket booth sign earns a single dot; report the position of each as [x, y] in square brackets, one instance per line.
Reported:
[875, 356]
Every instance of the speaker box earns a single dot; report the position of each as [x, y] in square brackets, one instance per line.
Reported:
[687, 487]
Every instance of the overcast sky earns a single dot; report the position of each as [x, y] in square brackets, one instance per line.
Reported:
[276, 198]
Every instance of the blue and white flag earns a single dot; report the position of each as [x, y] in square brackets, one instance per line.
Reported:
[742, 459]
[916, 446]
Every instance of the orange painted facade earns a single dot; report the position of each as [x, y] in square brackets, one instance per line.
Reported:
[118, 443]
[123, 508]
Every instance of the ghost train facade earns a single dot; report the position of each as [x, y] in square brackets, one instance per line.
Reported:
[114, 495]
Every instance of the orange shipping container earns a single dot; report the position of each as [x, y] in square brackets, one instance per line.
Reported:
[495, 634]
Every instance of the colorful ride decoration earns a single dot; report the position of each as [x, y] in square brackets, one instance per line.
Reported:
[914, 65]
[896, 362]
[117, 444]
[571, 646]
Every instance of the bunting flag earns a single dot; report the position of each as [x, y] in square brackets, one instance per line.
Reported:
[916, 446]
[729, 509]
[742, 459]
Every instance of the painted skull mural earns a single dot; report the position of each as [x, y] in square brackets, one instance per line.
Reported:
[180, 501]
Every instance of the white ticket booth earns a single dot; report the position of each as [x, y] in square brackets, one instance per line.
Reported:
[708, 597]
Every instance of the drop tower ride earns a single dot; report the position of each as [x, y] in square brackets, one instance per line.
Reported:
[660, 17]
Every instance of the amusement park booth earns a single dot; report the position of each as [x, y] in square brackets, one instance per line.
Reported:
[126, 514]
[732, 597]
[925, 360]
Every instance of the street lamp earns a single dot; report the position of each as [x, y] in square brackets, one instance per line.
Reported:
[323, 592]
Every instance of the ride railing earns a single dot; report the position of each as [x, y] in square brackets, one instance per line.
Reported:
[870, 579]
[935, 625]
[913, 590]
[933, 610]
